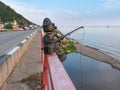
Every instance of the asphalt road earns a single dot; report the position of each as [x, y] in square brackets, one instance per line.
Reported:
[9, 40]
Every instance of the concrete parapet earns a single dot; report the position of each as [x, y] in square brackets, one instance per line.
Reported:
[10, 59]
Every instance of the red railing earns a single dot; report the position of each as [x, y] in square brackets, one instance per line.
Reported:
[54, 75]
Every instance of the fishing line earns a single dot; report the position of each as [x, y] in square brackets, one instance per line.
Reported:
[81, 67]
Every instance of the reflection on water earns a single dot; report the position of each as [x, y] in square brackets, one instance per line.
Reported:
[96, 75]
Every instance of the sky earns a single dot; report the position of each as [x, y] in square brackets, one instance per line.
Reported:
[69, 12]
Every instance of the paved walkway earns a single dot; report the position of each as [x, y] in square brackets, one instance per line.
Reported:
[27, 74]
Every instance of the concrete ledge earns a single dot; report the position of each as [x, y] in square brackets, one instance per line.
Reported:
[10, 59]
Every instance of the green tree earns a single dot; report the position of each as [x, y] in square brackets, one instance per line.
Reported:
[9, 14]
[8, 26]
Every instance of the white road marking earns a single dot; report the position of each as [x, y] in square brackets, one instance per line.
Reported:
[13, 50]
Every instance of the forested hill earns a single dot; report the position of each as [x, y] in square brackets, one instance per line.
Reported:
[7, 14]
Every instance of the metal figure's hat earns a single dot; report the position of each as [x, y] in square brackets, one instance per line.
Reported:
[47, 21]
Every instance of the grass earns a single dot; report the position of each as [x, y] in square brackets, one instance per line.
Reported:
[69, 47]
[6, 30]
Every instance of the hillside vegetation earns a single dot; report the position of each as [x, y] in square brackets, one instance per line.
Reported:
[7, 14]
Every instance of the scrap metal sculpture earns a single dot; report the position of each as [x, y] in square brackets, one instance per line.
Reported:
[53, 44]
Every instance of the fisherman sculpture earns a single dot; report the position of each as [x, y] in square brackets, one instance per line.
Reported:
[55, 41]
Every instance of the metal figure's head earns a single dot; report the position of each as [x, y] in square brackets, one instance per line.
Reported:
[47, 25]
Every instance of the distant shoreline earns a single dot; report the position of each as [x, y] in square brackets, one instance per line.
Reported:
[97, 55]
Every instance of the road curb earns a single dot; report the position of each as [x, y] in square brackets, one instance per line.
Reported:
[10, 59]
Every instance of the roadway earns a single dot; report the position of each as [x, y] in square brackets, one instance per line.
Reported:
[9, 40]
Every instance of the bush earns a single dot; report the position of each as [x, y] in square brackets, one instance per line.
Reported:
[8, 26]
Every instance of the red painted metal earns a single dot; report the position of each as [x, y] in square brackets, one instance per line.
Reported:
[54, 76]
[41, 44]
[59, 77]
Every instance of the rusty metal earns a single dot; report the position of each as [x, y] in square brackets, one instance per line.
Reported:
[54, 75]
[52, 43]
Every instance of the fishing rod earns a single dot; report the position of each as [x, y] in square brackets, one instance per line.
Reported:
[51, 44]
[58, 45]
[62, 37]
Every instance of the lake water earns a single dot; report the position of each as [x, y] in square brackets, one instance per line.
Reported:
[95, 75]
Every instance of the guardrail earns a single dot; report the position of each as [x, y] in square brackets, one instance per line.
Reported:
[10, 59]
[54, 75]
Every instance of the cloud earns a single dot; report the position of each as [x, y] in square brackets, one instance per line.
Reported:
[66, 17]
[62, 17]
[59, 17]
[111, 4]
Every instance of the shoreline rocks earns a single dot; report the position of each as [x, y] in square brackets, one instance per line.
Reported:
[97, 55]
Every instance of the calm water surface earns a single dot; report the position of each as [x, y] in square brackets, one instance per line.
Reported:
[96, 75]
